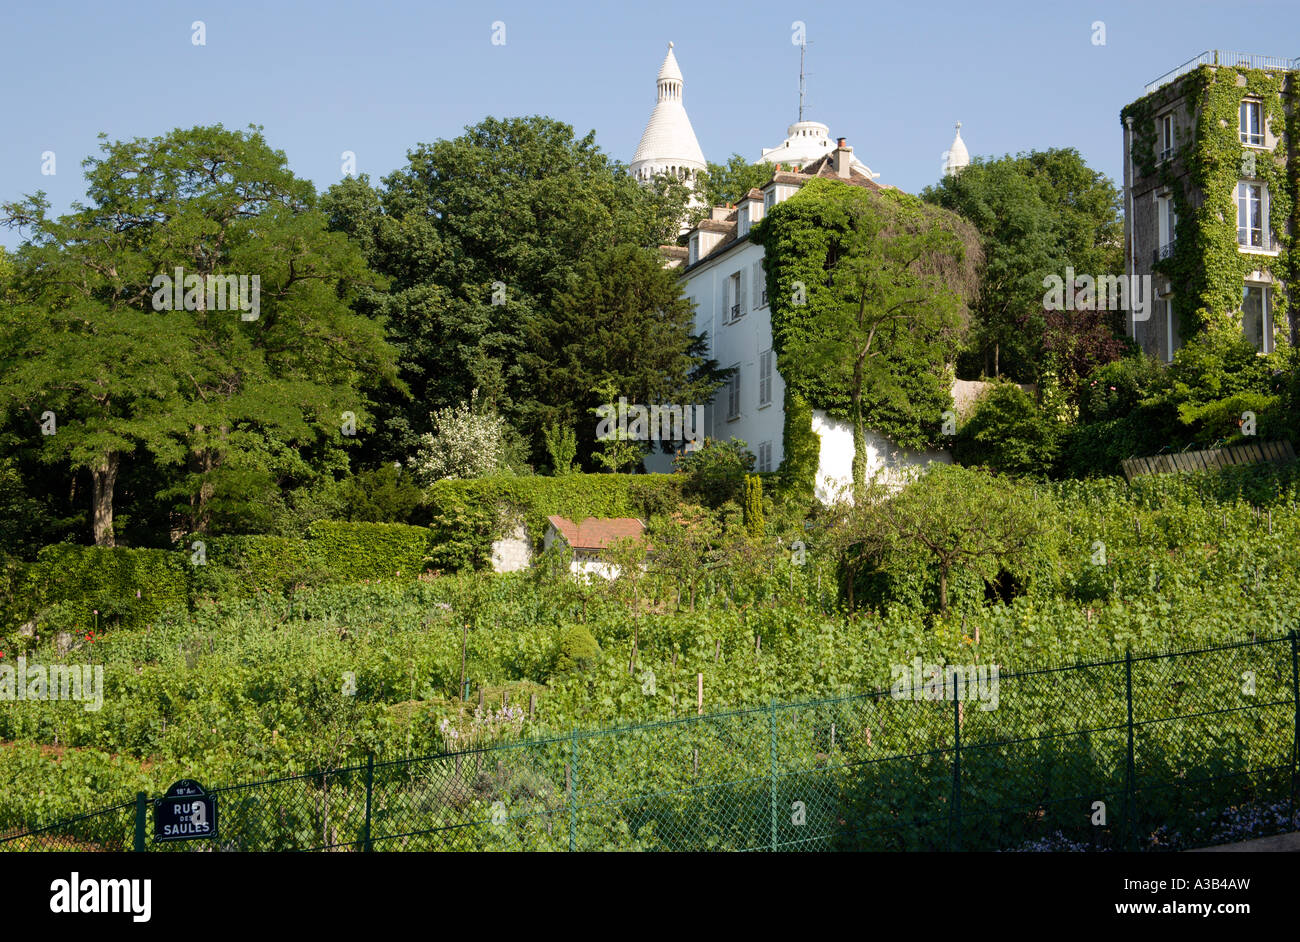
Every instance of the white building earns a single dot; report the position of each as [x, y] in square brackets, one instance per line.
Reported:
[722, 274]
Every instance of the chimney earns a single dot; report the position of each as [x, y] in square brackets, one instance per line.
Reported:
[843, 158]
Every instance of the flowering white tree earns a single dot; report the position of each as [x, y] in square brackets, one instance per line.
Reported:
[467, 442]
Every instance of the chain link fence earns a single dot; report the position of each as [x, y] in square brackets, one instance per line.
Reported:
[1152, 752]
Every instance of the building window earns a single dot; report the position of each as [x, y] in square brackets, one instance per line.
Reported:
[1173, 329]
[742, 220]
[1168, 227]
[735, 296]
[733, 393]
[1250, 215]
[764, 456]
[765, 378]
[1166, 137]
[769, 200]
[695, 250]
[1252, 123]
[1256, 318]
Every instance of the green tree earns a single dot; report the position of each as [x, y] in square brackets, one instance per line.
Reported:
[869, 291]
[234, 398]
[726, 183]
[1008, 432]
[481, 236]
[952, 518]
[1036, 213]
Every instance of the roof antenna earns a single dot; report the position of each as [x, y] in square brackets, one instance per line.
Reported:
[803, 44]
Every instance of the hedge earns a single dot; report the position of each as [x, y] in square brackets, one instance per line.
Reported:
[467, 515]
[107, 580]
[351, 552]
[240, 566]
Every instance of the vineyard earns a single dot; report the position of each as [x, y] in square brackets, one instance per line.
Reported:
[273, 685]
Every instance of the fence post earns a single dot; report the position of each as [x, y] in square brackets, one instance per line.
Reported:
[141, 812]
[1295, 707]
[954, 833]
[573, 774]
[1130, 832]
[771, 794]
[366, 846]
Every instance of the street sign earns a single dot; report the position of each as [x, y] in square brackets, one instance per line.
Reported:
[186, 812]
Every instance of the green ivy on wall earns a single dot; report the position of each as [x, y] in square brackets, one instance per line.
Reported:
[1206, 267]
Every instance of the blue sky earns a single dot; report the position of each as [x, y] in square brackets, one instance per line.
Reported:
[378, 77]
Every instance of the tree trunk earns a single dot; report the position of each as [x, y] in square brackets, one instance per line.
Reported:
[859, 439]
[943, 590]
[103, 478]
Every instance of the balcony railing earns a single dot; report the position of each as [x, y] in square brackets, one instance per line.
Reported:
[735, 312]
[1165, 251]
[1223, 57]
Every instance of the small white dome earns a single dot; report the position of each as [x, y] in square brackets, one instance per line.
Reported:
[957, 156]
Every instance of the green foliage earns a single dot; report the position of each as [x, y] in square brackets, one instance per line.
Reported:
[715, 472]
[88, 579]
[754, 521]
[561, 448]
[1036, 214]
[385, 495]
[802, 447]
[576, 652]
[725, 184]
[232, 402]
[490, 240]
[356, 551]
[240, 566]
[1007, 432]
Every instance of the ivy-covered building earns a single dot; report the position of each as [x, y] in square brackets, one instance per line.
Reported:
[1209, 192]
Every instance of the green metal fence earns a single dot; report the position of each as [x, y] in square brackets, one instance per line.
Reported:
[1149, 752]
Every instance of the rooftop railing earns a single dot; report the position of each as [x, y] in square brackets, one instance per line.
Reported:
[1225, 58]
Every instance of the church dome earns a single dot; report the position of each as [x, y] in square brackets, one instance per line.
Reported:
[957, 156]
[668, 143]
[806, 141]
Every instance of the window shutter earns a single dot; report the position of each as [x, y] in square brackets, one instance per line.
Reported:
[725, 306]
[758, 284]
[740, 286]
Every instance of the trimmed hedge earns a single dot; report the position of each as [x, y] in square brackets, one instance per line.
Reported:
[354, 551]
[107, 579]
[468, 517]
[243, 565]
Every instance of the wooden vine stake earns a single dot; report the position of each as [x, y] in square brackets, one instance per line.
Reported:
[699, 694]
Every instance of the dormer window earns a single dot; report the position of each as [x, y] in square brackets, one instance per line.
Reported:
[694, 254]
[769, 199]
[742, 220]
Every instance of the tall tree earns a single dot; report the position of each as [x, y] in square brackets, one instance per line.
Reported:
[1037, 213]
[481, 236]
[727, 183]
[196, 309]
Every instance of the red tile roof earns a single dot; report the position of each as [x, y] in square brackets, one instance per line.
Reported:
[596, 533]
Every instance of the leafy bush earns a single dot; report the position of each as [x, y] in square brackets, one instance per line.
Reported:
[715, 472]
[576, 652]
[467, 442]
[385, 495]
[239, 566]
[1008, 433]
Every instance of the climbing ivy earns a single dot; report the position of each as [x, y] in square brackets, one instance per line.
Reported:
[1206, 267]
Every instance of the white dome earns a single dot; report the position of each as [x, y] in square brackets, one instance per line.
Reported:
[957, 156]
[668, 143]
[805, 141]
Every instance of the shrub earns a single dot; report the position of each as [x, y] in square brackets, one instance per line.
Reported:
[1008, 433]
[576, 653]
[356, 551]
[242, 565]
[715, 472]
[385, 495]
[467, 442]
[754, 521]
